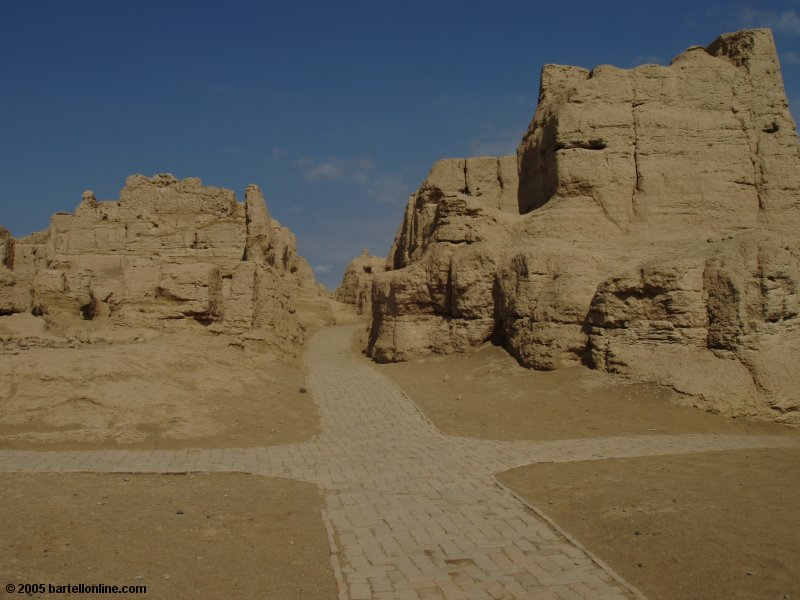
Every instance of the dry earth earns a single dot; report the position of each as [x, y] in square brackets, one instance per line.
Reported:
[486, 394]
[717, 526]
[678, 527]
[733, 512]
[144, 390]
[183, 536]
[238, 535]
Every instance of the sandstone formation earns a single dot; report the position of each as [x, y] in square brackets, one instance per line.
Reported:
[648, 226]
[169, 252]
[356, 286]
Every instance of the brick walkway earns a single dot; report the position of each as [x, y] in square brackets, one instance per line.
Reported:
[411, 512]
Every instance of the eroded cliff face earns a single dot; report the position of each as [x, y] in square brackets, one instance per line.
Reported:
[356, 286]
[652, 231]
[168, 252]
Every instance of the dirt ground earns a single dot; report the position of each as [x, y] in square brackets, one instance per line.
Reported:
[183, 536]
[720, 525]
[486, 394]
[716, 526]
[236, 535]
[144, 390]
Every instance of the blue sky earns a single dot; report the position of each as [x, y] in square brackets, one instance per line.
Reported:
[337, 110]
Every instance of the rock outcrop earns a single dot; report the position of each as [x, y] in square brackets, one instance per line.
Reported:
[6, 247]
[356, 286]
[647, 226]
[168, 252]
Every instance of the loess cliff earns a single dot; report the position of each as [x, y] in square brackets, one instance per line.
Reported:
[169, 253]
[647, 226]
[356, 286]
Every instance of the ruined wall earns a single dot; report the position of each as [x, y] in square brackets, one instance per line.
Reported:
[356, 286]
[168, 250]
[655, 235]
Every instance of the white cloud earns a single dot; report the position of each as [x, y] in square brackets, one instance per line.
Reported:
[381, 186]
[385, 187]
[219, 90]
[691, 22]
[323, 268]
[790, 58]
[326, 170]
[786, 22]
[389, 188]
[440, 100]
[278, 154]
[524, 99]
[794, 107]
[647, 59]
[495, 142]
[336, 169]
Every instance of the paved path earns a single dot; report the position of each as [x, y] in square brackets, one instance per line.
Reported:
[413, 513]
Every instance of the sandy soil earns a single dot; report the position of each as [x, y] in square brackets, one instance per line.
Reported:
[144, 390]
[703, 521]
[183, 536]
[486, 394]
[187, 536]
[679, 528]
[717, 526]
